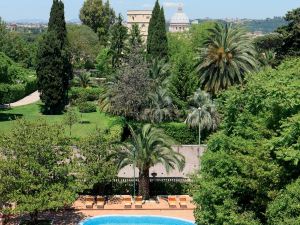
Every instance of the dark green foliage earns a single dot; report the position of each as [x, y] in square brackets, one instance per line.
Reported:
[50, 72]
[87, 107]
[183, 81]
[15, 81]
[256, 152]
[84, 94]
[118, 36]
[180, 132]
[127, 94]
[57, 22]
[268, 42]
[285, 208]
[15, 46]
[36, 168]
[99, 17]
[97, 165]
[157, 42]
[54, 68]
[157, 188]
[104, 63]
[84, 46]
[291, 35]
[135, 38]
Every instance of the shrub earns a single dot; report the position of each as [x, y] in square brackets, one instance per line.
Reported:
[87, 107]
[114, 134]
[85, 94]
[285, 208]
[180, 132]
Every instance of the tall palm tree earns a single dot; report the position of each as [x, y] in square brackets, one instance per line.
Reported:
[161, 107]
[203, 113]
[227, 55]
[149, 146]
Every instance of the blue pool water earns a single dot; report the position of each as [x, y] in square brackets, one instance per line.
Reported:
[134, 220]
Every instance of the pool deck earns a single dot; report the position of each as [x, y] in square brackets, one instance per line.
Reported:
[78, 212]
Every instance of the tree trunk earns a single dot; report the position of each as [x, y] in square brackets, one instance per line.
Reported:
[144, 184]
[34, 217]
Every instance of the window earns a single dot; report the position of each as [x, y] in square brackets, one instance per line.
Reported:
[133, 18]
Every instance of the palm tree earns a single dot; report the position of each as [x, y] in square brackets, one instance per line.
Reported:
[149, 146]
[227, 55]
[203, 113]
[158, 71]
[83, 80]
[161, 107]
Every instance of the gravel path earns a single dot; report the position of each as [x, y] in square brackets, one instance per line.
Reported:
[32, 98]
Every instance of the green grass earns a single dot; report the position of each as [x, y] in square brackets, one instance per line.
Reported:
[92, 121]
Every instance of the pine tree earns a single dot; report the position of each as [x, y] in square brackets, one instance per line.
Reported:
[54, 68]
[157, 43]
[183, 82]
[135, 38]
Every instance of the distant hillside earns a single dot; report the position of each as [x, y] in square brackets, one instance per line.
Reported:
[265, 26]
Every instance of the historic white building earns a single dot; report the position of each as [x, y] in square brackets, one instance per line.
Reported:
[179, 21]
[140, 17]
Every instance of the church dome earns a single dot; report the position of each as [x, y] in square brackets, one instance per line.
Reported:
[179, 17]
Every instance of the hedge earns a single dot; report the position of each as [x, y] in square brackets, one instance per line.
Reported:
[180, 132]
[10, 93]
[125, 188]
[84, 94]
[87, 107]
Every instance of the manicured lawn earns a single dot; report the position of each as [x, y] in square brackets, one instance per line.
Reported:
[92, 121]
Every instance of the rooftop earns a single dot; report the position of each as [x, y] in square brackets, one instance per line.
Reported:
[180, 17]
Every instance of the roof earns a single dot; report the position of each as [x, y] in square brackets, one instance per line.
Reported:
[133, 12]
[180, 17]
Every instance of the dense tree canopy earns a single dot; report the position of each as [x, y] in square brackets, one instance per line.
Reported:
[84, 46]
[98, 16]
[291, 34]
[256, 152]
[35, 168]
[127, 95]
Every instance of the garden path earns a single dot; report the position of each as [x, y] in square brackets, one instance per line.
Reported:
[32, 98]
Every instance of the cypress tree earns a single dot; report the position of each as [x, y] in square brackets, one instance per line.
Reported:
[157, 43]
[118, 37]
[163, 39]
[54, 68]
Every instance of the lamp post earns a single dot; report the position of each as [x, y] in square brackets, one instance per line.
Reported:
[134, 175]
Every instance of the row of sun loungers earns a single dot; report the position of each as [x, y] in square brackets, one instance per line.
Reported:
[128, 202]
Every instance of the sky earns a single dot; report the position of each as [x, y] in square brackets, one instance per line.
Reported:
[14, 10]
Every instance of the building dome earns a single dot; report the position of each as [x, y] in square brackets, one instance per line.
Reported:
[179, 17]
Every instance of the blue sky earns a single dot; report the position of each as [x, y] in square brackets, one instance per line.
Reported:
[12, 10]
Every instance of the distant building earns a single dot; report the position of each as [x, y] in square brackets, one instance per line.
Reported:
[140, 17]
[179, 21]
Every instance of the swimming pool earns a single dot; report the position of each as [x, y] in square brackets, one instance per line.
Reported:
[134, 220]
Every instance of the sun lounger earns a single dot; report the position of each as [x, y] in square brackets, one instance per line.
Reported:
[183, 202]
[138, 202]
[89, 202]
[127, 202]
[100, 202]
[172, 201]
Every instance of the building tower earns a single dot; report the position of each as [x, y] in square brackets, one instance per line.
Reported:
[179, 21]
